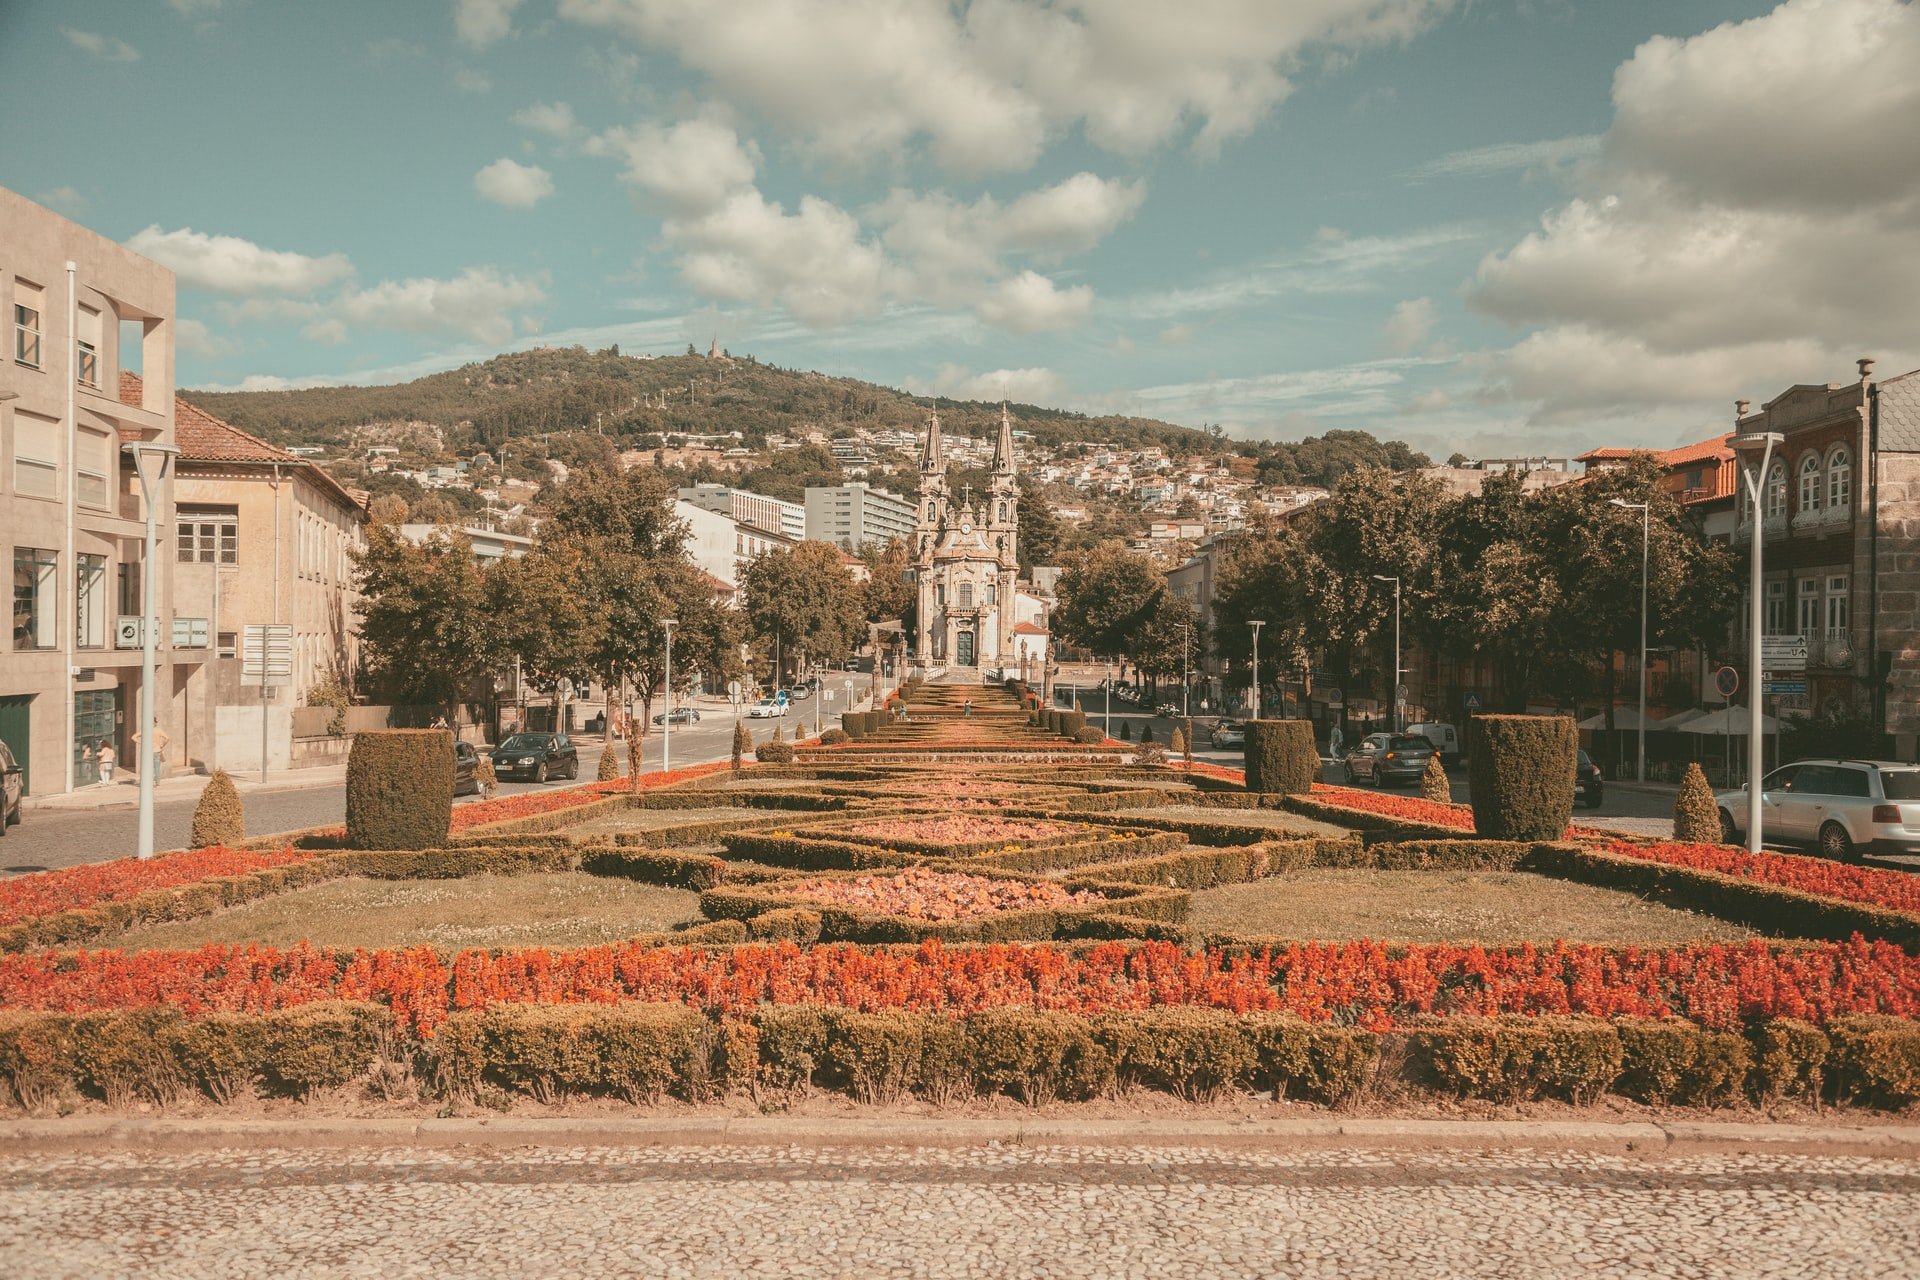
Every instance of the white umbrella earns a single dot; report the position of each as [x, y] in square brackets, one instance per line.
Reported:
[1730, 722]
[1683, 721]
[1627, 718]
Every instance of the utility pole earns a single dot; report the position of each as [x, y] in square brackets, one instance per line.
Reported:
[666, 725]
[1256, 624]
[1645, 510]
[157, 456]
[1763, 443]
[1393, 686]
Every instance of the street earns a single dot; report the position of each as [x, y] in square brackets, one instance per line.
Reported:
[51, 838]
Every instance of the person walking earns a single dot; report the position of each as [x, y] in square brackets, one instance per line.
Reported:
[106, 759]
[1336, 741]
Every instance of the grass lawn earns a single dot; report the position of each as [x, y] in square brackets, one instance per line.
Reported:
[557, 909]
[1276, 820]
[662, 819]
[1447, 906]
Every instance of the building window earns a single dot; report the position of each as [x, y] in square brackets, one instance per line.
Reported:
[1776, 608]
[34, 598]
[86, 368]
[1810, 482]
[1839, 478]
[966, 595]
[1810, 607]
[1839, 605]
[1777, 491]
[127, 588]
[93, 464]
[90, 596]
[26, 323]
[228, 645]
[207, 534]
[36, 456]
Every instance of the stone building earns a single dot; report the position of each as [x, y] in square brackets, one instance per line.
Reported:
[965, 563]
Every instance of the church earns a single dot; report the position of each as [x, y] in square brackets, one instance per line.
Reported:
[966, 567]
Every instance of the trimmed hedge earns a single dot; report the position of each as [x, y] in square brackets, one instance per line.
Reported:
[1521, 774]
[1281, 756]
[399, 789]
[670, 870]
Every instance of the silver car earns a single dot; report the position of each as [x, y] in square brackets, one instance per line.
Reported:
[1843, 808]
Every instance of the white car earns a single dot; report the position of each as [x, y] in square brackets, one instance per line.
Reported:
[1843, 808]
[767, 709]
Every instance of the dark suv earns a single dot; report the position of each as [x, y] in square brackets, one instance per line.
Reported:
[1588, 785]
[538, 756]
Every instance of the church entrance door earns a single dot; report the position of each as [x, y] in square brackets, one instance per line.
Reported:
[963, 648]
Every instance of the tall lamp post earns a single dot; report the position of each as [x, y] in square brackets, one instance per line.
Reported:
[1107, 685]
[150, 459]
[1646, 515]
[1762, 443]
[1186, 670]
[1393, 691]
[1256, 624]
[666, 725]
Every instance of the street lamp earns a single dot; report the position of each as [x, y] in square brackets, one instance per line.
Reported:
[1107, 687]
[1394, 692]
[1256, 624]
[1186, 670]
[1762, 443]
[1646, 515]
[149, 454]
[666, 725]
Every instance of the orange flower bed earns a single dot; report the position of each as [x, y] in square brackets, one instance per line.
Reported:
[1894, 890]
[968, 829]
[529, 803]
[89, 884]
[1362, 983]
[1407, 808]
[921, 894]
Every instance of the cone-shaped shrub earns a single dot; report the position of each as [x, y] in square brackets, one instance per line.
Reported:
[779, 733]
[1126, 731]
[1177, 744]
[1146, 733]
[742, 743]
[1433, 783]
[1186, 742]
[1521, 772]
[399, 789]
[636, 755]
[609, 765]
[1696, 818]
[1281, 756]
[219, 817]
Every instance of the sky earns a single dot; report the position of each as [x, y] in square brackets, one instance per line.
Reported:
[1497, 227]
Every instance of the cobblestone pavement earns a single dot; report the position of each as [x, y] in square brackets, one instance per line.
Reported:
[1148, 1211]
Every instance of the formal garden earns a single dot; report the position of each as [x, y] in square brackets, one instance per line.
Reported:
[962, 896]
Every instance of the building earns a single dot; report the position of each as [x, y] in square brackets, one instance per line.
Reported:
[80, 310]
[965, 562]
[1840, 527]
[259, 536]
[855, 514]
[722, 546]
[789, 519]
[488, 545]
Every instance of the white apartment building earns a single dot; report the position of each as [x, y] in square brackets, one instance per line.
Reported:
[852, 515]
[776, 515]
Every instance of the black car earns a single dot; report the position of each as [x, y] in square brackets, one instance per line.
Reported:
[538, 756]
[466, 765]
[681, 715]
[10, 789]
[1588, 785]
[1384, 758]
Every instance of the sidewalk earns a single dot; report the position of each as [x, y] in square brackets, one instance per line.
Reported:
[124, 791]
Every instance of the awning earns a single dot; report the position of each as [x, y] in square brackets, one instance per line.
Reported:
[1730, 722]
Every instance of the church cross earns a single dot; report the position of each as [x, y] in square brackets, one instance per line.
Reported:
[966, 495]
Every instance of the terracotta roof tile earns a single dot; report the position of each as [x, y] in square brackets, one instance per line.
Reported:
[1028, 629]
[1714, 449]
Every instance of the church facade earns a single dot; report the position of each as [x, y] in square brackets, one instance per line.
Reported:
[965, 562]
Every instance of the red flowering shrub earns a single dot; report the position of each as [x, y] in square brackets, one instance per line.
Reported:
[529, 803]
[919, 893]
[1410, 808]
[1894, 890]
[45, 892]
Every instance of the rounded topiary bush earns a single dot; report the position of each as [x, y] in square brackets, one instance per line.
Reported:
[774, 752]
[1091, 736]
[219, 818]
[1281, 757]
[400, 789]
[1521, 773]
[833, 737]
[1696, 817]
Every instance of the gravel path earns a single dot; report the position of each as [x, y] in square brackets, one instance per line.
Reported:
[968, 1211]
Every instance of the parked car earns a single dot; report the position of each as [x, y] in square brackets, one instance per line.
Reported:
[1444, 737]
[11, 789]
[768, 708]
[1588, 784]
[1386, 758]
[466, 765]
[1228, 733]
[679, 715]
[538, 756]
[1843, 808]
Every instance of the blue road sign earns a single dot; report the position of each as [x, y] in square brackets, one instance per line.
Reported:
[1334, 698]
[1727, 681]
[1785, 688]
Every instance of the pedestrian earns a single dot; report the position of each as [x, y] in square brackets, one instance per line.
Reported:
[1335, 742]
[89, 762]
[156, 758]
[106, 758]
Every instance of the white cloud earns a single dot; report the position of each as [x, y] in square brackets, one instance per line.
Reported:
[195, 338]
[63, 200]
[814, 262]
[517, 186]
[1744, 228]
[110, 48]
[955, 382]
[1030, 303]
[479, 23]
[552, 118]
[228, 264]
[986, 86]
[467, 80]
[1505, 157]
[328, 333]
[479, 302]
[693, 167]
[1410, 325]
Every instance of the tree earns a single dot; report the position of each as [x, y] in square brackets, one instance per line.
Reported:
[802, 599]
[1039, 539]
[428, 635]
[388, 508]
[888, 594]
[1105, 595]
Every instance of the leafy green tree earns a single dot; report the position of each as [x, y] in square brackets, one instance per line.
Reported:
[427, 632]
[803, 599]
[1039, 540]
[888, 594]
[1105, 595]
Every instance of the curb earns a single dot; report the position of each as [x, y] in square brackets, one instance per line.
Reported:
[1646, 1139]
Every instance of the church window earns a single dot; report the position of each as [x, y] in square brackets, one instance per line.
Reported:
[990, 595]
[966, 595]
[1003, 513]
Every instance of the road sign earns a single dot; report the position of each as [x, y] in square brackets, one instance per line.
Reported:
[1726, 681]
[1403, 696]
[1471, 702]
[733, 690]
[266, 654]
[1791, 686]
[127, 631]
[1783, 653]
[1334, 698]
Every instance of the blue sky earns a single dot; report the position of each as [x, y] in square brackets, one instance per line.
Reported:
[1486, 225]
